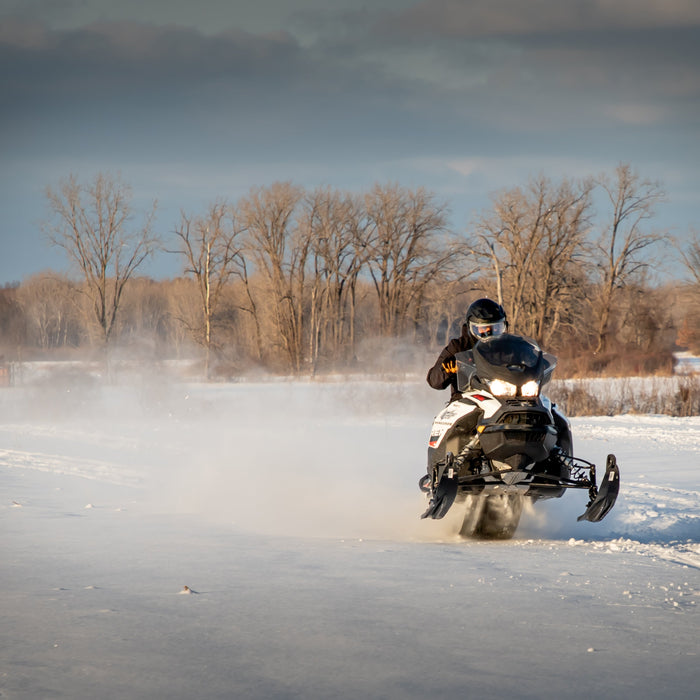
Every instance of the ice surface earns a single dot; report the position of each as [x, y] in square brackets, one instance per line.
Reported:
[290, 511]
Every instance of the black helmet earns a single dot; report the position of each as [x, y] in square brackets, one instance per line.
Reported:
[485, 318]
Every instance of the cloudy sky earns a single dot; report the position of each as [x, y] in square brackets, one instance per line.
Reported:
[193, 102]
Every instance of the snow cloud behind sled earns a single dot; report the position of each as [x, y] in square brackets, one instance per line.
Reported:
[338, 458]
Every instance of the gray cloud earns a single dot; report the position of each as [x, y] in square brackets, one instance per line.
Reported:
[118, 88]
[101, 54]
[435, 48]
[547, 61]
[117, 77]
[480, 18]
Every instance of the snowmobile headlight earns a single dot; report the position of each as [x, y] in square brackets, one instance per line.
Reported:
[531, 388]
[500, 388]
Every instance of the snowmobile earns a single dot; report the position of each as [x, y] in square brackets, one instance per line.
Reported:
[500, 441]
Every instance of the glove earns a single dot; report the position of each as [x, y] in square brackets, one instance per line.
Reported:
[449, 367]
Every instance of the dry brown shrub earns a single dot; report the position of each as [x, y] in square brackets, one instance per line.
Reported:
[679, 397]
[687, 398]
[577, 401]
[621, 363]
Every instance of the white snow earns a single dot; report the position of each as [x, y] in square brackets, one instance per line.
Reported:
[290, 511]
[687, 363]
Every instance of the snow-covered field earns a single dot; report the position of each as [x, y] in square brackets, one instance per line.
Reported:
[687, 363]
[290, 510]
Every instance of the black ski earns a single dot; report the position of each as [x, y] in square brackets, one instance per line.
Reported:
[442, 500]
[605, 499]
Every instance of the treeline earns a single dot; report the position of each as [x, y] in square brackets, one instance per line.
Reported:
[304, 281]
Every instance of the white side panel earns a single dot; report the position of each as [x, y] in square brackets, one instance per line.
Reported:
[458, 409]
[446, 419]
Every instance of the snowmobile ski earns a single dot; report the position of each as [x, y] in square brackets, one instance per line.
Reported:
[442, 499]
[606, 495]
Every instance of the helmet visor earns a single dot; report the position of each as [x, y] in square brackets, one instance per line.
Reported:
[486, 330]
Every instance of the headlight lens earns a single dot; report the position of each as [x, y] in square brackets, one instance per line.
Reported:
[500, 388]
[531, 388]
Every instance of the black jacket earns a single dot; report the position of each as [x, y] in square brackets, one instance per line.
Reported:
[437, 377]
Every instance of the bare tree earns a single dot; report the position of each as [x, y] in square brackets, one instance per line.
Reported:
[689, 331]
[251, 305]
[12, 322]
[622, 247]
[92, 223]
[48, 303]
[532, 240]
[211, 246]
[280, 252]
[183, 312]
[146, 319]
[510, 237]
[335, 224]
[405, 250]
[557, 282]
[691, 258]
[443, 305]
[643, 316]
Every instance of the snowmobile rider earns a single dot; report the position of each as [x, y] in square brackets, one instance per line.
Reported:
[484, 318]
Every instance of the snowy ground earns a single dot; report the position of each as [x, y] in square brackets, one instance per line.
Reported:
[290, 511]
[687, 363]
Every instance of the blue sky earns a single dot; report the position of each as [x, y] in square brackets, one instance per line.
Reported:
[194, 102]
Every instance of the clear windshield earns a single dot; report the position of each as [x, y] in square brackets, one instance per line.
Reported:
[509, 351]
[465, 370]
